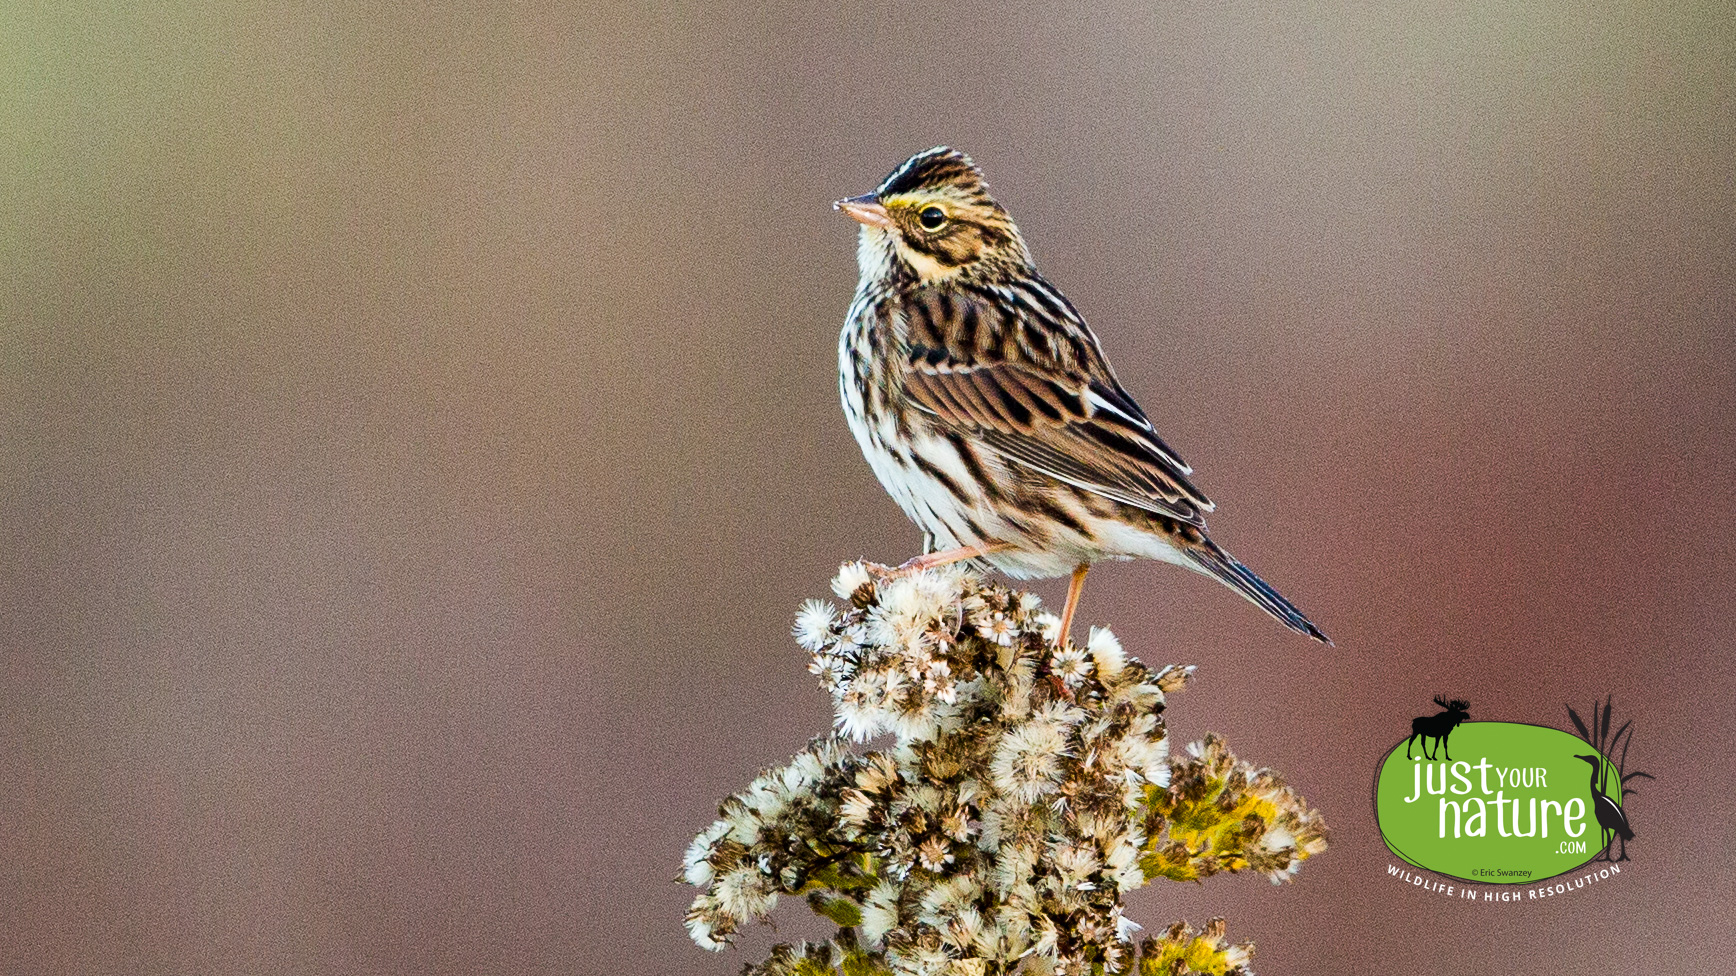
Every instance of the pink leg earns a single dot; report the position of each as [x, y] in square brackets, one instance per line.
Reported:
[929, 560]
[1074, 588]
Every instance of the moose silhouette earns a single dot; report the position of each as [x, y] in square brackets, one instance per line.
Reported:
[1438, 727]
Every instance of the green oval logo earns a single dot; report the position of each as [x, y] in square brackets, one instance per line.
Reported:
[1495, 802]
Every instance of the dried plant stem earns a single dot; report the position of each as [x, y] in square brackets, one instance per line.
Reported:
[1025, 785]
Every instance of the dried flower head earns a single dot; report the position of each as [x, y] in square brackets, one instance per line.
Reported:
[1021, 790]
[1222, 814]
[1181, 951]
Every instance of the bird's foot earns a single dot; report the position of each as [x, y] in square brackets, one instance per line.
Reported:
[934, 560]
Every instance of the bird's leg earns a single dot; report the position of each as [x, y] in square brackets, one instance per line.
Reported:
[1074, 588]
[929, 560]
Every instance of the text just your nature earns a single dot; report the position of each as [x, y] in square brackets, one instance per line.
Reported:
[1470, 816]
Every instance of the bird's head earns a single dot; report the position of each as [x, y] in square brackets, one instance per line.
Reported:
[933, 219]
[1594, 760]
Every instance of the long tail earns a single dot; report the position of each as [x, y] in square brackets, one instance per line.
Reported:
[1213, 561]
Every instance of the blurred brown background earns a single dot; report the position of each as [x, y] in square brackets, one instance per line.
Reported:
[419, 425]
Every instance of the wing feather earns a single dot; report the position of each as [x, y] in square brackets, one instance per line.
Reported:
[1062, 415]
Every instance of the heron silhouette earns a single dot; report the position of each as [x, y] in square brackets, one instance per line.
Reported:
[1609, 815]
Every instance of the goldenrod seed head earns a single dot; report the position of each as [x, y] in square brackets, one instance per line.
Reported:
[1026, 787]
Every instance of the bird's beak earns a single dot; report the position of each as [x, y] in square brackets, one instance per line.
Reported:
[865, 210]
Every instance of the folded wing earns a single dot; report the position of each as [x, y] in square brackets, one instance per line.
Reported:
[1050, 405]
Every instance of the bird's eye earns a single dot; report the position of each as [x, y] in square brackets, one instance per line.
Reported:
[932, 218]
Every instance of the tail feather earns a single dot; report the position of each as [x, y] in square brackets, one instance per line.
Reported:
[1209, 559]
